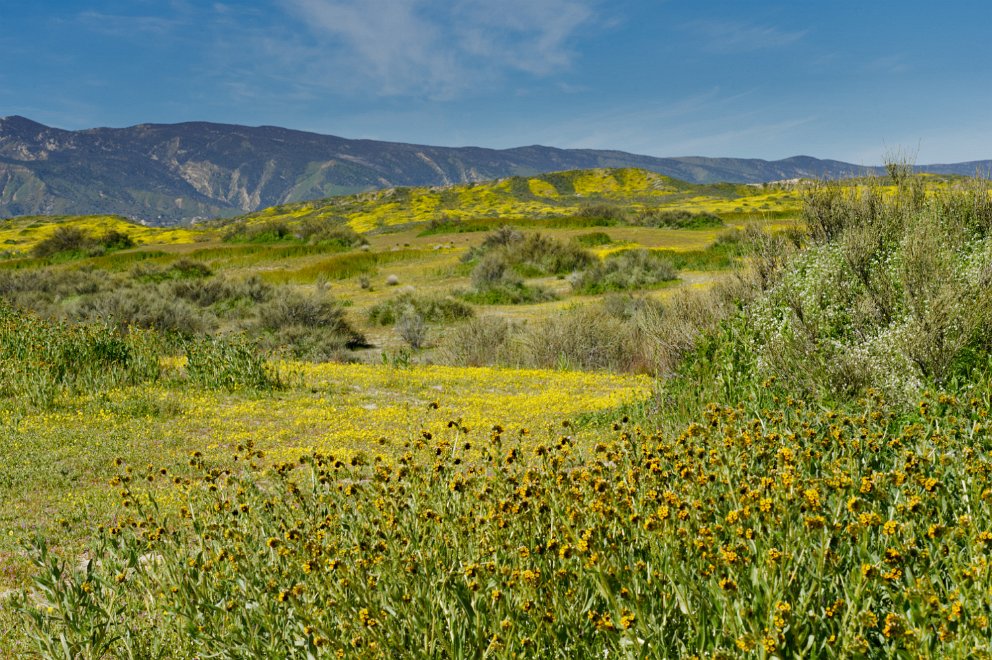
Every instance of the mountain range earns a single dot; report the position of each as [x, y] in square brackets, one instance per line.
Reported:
[171, 173]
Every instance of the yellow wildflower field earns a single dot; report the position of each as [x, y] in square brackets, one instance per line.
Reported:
[348, 409]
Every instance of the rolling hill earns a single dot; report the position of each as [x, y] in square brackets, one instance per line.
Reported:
[169, 173]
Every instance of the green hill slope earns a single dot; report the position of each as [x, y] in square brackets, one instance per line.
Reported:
[588, 193]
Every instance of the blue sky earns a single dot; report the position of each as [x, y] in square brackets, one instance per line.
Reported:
[848, 80]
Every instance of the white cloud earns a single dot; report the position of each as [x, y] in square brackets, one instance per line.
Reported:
[438, 49]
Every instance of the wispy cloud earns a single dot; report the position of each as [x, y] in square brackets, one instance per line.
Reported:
[121, 25]
[438, 49]
[887, 64]
[738, 37]
[533, 36]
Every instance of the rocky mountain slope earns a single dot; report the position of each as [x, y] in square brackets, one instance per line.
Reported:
[168, 173]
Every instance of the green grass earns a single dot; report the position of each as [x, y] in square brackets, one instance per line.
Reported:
[342, 266]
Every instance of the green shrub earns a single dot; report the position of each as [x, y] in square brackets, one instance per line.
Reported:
[893, 295]
[65, 238]
[233, 363]
[530, 254]
[116, 240]
[604, 214]
[222, 292]
[269, 231]
[509, 293]
[311, 327]
[329, 232]
[68, 239]
[628, 269]
[677, 219]
[583, 338]
[493, 270]
[143, 307]
[484, 340]
[412, 328]
[432, 308]
[593, 239]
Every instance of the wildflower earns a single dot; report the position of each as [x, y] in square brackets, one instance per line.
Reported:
[745, 644]
[893, 625]
[366, 619]
[892, 574]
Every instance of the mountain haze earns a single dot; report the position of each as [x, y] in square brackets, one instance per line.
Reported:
[168, 173]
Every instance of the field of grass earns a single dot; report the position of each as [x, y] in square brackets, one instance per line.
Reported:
[784, 451]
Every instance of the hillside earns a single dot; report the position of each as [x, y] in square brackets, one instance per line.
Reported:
[598, 194]
[574, 198]
[168, 173]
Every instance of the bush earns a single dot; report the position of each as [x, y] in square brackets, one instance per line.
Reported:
[68, 239]
[329, 232]
[116, 240]
[484, 340]
[432, 308]
[604, 214]
[509, 293]
[677, 219]
[269, 231]
[583, 338]
[892, 295]
[308, 327]
[143, 307]
[411, 328]
[222, 291]
[493, 270]
[529, 254]
[494, 282]
[65, 238]
[629, 269]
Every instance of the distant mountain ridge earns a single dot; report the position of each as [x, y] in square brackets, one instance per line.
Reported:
[169, 173]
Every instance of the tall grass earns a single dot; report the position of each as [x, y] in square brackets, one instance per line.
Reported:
[40, 360]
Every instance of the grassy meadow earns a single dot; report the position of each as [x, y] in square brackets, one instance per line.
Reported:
[583, 414]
